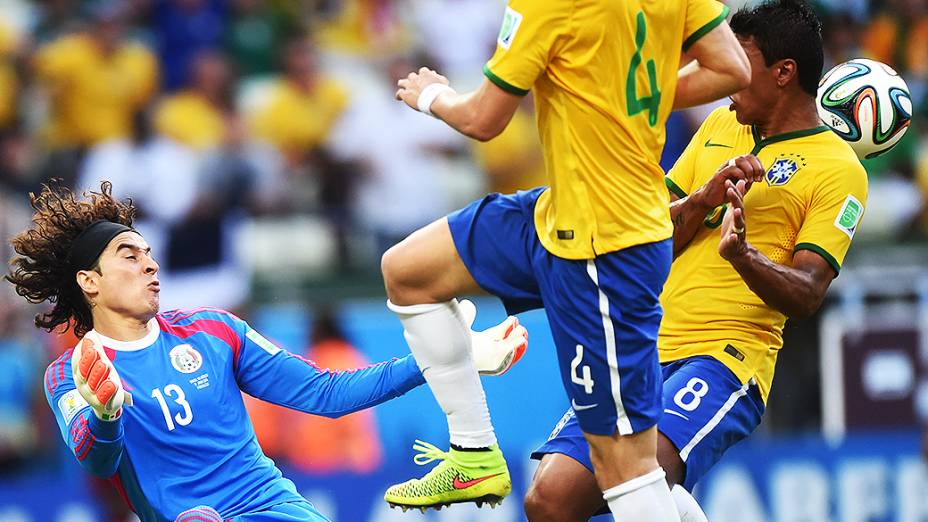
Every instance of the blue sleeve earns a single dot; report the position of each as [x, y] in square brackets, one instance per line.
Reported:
[96, 444]
[269, 373]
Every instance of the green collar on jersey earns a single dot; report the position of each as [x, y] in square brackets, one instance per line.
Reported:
[760, 143]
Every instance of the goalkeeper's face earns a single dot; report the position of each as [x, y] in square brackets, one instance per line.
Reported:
[127, 283]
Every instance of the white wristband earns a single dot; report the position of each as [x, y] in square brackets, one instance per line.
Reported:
[428, 95]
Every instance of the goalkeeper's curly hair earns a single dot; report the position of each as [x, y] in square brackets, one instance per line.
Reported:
[41, 271]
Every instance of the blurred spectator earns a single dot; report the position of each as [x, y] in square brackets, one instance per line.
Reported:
[256, 33]
[297, 115]
[364, 27]
[195, 116]
[312, 443]
[513, 160]
[462, 43]
[840, 35]
[350, 443]
[921, 178]
[301, 106]
[184, 28]
[96, 82]
[898, 36]
[18, 384]
[9, 83]
[401, 152]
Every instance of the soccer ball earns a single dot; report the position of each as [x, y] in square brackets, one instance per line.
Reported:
[867, 103]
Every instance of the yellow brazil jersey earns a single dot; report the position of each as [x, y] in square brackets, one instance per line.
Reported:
[190, 119]
[296, 120]
[812, 198]
[94, 96]
[604, 76]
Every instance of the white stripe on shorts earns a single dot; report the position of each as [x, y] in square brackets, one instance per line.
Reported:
[715, 420]
[624, 425]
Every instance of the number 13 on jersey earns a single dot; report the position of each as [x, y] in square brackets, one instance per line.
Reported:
[176, 393]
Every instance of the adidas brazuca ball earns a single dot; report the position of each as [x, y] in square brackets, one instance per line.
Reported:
[867, 103]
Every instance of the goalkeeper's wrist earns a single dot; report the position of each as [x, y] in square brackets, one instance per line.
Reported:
[107, 416]
[105, 430]
[428, 96]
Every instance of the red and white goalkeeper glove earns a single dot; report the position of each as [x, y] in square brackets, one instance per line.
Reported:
[498, 348]
[96, 379]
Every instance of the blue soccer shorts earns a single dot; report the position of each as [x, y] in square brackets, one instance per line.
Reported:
[706, 411]
[604, 313]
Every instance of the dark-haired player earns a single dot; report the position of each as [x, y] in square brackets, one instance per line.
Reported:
[185, 449]
[746, 260]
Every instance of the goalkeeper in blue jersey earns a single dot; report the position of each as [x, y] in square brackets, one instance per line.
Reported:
[152, 401]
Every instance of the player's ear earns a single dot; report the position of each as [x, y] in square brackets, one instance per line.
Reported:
[89, 282]
[785, 71]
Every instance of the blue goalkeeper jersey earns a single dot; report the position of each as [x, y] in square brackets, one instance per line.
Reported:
[187, 440]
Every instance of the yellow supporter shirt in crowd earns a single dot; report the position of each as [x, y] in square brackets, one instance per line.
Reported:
[812, 198]
[8, 83]
[94, 96]
[604, 76]
[295, 120]
[190, 119]
[8, 90]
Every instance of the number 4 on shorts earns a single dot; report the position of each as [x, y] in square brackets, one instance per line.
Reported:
[586, 380]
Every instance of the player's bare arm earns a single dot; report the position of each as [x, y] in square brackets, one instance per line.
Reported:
[796, 291]
[481, 114]
[688, 213]
[721, 68]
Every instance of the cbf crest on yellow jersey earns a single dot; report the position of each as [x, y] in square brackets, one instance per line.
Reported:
[812, 198]
[604, 78]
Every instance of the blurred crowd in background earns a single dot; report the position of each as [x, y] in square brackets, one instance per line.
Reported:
[269, 160]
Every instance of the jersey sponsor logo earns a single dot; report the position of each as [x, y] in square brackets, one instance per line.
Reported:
[70, 404]
[185, 359]
[507, 32]
[849, 216]
[781, 171]
[709, 143]
[259, 339]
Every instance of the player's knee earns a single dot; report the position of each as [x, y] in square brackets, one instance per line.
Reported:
[396, 274]
[405, 280]
[543, 505]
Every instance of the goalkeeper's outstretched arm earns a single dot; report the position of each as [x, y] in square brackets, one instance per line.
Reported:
[269, 373]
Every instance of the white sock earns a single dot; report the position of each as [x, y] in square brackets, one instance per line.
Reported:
[687, 506]
[440, 341]
[642, 499]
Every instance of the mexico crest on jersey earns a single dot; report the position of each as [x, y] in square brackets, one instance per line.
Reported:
[185, 359]
[781, 171]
